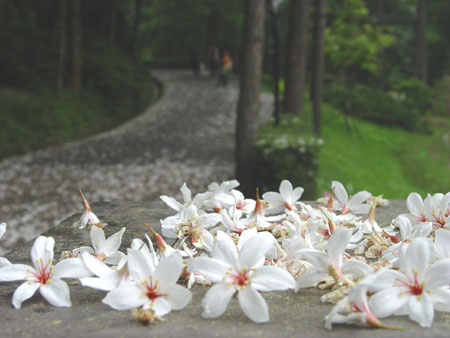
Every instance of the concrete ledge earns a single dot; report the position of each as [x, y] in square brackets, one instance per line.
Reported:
[291, 314]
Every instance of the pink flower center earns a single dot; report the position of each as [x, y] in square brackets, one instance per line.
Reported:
[152, 290]
[413, 286]
[44, 272]
[288, 206]
[239, 278]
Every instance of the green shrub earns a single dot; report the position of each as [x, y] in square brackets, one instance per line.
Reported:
[288, 151]
[415, 95]
[377, 106]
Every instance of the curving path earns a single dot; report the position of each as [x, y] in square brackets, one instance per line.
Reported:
[187, 136]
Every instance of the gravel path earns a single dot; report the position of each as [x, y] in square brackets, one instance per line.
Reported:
[187, 136]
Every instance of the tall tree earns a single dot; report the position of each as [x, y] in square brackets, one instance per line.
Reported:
[62, 43]
[250, 86]
[382, 70]
[421, 41]
[77, 59]
[318, 64]
[112, 20]
[295, 68]
[136, 24]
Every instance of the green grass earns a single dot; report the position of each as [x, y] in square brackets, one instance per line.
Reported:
[383, 160]
[31, 121]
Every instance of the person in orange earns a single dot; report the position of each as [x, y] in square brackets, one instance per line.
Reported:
[227, 66]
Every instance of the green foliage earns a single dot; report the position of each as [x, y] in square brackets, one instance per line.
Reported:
[351, 41]
[415, 95]
[30, 121]
[171, 28]
[374, 105]
[441, 106]
[287, 151]
[382, 159]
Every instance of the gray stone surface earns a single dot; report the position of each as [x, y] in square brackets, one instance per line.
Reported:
[187, 136]
[291, 314]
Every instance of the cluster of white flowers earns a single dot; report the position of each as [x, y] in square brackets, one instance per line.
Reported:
[245, 246]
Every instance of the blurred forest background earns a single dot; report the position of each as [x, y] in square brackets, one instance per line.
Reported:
[380, 122]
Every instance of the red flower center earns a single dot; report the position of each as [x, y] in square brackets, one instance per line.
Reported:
[152, 290]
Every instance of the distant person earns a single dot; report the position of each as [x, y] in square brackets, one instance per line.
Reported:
[213, 61]
[195, 61]
[227, 66]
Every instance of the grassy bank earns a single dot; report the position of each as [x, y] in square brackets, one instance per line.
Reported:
[381, 159]
[32, 120]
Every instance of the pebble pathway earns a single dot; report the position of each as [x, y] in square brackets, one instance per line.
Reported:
[187, 136]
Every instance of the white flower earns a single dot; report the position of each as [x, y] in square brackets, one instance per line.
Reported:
[104, 249]
[187, 199]
[87, 217]
[415, 289]
[188, 224]
[43, 275]
[153, 287]
[354, 205]
[285, 200]
[231, 220]
[354, 308]
[442, 244]
[3, 261]
[407, 234]
[420, 211]
[330, 262]
[108, 278]
[244, 273]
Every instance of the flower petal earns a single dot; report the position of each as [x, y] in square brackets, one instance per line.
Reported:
[255, 249]
[339, 191]
[161, 306]
[356, 268]
[309, 278]
[56, 292]
[441, 243]
[337, 244]
[272, 197]
[253, 305]
[113, 242]
[357, 200]
[440, 298]
[438, 274]
[414, 203]
[42, 250]
[417, 256]
[24, 292]
[178, 296]
[421, 310]
[4, 262]
[272, 278]
[171, 202]
[387, 301]
[71, 268]
[212, 269]
[225, 250]
[104, 283]
[95, 265]
[169, 269]
[216, 300]
[97, 238]
[125, 297]
[139, 265]
[13, 272]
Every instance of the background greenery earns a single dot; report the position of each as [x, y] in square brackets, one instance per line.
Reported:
[390, 139]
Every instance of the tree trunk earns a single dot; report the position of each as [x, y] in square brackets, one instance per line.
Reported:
[421, 41]
[318, 64]
[295, 69]
[62, 44]
[250, 86]
[112, 21]
[135, 36]
[382, 70]
[77, 59]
